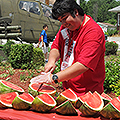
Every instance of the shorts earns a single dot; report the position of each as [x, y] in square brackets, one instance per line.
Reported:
[44, 49]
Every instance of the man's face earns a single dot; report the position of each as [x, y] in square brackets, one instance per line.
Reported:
[46, 28]
[69, 22]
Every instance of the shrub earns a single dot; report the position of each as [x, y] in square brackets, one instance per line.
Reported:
[25, 56]
[7, 47]
[111, 48]
[112, 69]
[21, 56]
[38, 58]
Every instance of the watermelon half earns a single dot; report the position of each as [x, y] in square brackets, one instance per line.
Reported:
[92, 105]
[68, 94]
[112, 109]
[66, 108]
[106, 98]
[46, 88]
[82, 99]
[23, 101]
[7, 99]
[7, 87]
[43, 103]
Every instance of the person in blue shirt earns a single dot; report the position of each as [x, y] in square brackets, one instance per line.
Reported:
[43, 39]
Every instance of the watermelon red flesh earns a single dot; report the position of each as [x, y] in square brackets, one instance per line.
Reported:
[94, 102]
[27, 97]
[69, 94]
[97, 101]
[44, 88]
[83, 98]
[46, 98]
[116, 103]
[11, 85]
[8, 98]
[106, 96]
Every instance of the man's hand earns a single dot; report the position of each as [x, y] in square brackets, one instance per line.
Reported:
[43, 78]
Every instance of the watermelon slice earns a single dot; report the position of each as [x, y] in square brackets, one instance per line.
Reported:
[112, 109]
[92, 104]
[7, 87]
[106, 98]
[23, 101]
[66, 108]
[7, 99]
[68, 94]
[81, 99]
[43, 103]
[46, 88]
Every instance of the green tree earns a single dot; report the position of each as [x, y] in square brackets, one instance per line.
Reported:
[99, 10]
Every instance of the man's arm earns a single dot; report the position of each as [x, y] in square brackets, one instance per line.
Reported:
[53, 57]
[71, 72]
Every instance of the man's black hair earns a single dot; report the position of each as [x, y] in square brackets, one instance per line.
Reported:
[65, 6]
[45, 25]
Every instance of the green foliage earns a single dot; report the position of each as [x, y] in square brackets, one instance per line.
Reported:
[21, 56]
[111, 32]
[7, 47]
[57, 69]
[112, 69]
[111, 48]
[38, 58]
[1, 59]
[111, 21]
[116, 88]
[98, 9]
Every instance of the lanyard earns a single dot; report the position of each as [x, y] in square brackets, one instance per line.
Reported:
[76, 32]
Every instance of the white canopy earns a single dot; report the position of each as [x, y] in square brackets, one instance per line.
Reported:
[116, 9]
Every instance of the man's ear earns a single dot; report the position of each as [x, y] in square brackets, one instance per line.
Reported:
[76, 12]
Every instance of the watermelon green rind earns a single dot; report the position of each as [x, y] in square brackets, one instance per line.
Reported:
[41, 106]
[110, 111]
[86, 110]
[6, 89]
[5, 105]
[32, 91]
[19, 104]
[66, 108]
[62, 98]
[77, 104]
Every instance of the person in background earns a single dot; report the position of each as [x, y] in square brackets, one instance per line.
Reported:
[80, 46]
[43, 39]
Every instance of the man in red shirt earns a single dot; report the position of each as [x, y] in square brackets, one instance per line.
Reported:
[80, 45]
